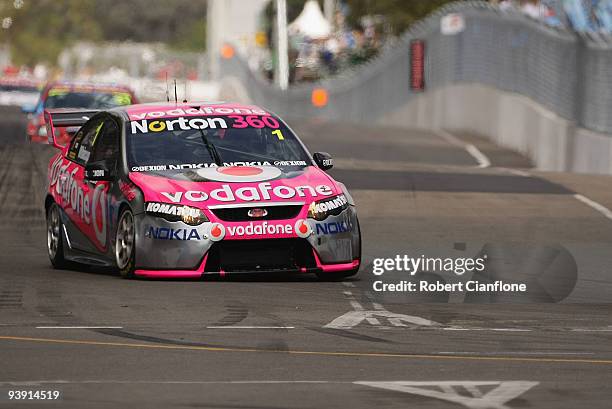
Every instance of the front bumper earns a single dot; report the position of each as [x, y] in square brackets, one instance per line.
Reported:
[174, 249]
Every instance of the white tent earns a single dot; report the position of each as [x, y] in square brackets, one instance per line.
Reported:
[311, 22]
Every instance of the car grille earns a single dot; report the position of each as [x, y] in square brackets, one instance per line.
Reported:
[241, 214]
[260, 255]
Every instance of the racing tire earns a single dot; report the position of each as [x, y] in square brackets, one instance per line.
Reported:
[125, 244]
[55, 243]
[340, 275]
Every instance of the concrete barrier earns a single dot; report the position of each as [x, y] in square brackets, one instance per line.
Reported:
[512, 121]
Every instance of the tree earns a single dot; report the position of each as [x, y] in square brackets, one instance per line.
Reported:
[41, 29]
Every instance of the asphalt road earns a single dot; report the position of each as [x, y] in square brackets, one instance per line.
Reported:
[279, 342]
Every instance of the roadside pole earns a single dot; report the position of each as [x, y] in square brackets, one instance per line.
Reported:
[282, 44]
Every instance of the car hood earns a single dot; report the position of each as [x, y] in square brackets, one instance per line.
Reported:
[235, 185]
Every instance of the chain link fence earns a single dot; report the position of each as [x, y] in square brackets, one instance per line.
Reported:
[570, 74]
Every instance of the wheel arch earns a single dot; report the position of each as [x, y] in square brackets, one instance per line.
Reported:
[49, 200]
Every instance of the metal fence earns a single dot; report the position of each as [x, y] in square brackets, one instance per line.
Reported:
[568, 73]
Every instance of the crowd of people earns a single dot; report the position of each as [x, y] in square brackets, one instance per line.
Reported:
[319, 48]
[579, 15]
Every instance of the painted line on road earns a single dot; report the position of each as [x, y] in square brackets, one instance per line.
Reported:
[485, 329]
[502, 353]
[246, 327]
[480, 158]
[591, 330]
[112, 381]
[483, 161]
[74, 327]
[603, 210]
[312, 353]
[517, 172]
[594, 205]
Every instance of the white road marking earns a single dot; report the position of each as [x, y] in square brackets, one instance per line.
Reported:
[359, 314]
[591, 330]
[75, 327]
[589, 202]
[247, 327]
[496, 398]
[480, 158]
[112, 381]
[483, 161]
[505, 353]
[348, 284]
[517, 172]
[594, 205]
[607, 213]
[486, 329]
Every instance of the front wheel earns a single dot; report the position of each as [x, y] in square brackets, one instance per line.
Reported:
[55, 245]
[125, 244]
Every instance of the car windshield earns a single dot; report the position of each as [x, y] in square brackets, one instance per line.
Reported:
[86, 99]
[195, 142]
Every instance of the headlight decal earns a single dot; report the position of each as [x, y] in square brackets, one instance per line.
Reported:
[329, 207]
[174, 213]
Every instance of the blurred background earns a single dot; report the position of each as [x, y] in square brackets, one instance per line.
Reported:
[406, 63]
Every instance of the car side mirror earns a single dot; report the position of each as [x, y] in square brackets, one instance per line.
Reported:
[99, 171]
[323, 160]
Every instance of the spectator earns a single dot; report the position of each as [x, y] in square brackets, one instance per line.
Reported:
[531, 8]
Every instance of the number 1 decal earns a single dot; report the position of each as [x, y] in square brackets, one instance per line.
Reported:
[279, 134]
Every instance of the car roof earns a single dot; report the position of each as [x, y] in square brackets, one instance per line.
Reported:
[19, 81]
[196, 108]
[83, 86]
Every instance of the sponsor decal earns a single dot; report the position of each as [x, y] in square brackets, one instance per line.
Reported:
[205, 110]
[183, 124]
[89, 206]
[188, 123]
[184, 166]
[263, 191]
[302, 229]
[167, 233]
[217, 232]
[171, 209]
[259, 229]
[256, 213]
[329, 207]
[290, 163]
[332, 228]
[240, 173]
[328, 162]
[128, 190]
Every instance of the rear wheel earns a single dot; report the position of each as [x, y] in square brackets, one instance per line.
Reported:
[125, 244]
[55, 245]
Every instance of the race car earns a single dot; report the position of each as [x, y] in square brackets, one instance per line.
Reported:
[184, 190]
[73, 95]
[19, 91]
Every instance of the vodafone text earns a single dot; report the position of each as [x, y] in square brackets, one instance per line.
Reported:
[263, 191]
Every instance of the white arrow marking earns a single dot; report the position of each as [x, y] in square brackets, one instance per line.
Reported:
[356, 317]
[496, 398]
[360, 314]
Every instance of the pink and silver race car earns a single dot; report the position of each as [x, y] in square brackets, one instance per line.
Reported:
[183, 190]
